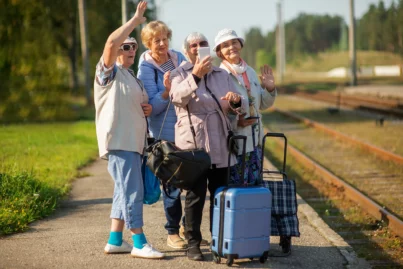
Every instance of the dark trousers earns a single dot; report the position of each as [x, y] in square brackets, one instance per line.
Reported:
[195, 198]
[173, 209]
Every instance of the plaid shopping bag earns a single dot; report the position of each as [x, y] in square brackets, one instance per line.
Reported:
[284, 207]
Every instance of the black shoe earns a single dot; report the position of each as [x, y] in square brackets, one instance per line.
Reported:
[195, 254]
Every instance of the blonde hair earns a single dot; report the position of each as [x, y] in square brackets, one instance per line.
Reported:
[151, 30]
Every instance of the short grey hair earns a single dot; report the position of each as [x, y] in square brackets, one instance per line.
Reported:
[195, 36]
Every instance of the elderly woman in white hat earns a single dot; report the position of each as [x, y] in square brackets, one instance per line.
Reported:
[260, 95]
[121, 106]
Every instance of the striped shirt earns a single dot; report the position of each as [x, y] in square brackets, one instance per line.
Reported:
[167, 66]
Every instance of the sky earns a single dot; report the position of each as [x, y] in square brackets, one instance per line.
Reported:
[210, 16]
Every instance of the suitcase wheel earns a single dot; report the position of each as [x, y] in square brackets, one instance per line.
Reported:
[216, 258]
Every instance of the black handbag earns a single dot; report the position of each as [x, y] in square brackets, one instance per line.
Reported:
[176, 167]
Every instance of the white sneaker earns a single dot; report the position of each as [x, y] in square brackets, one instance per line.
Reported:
[147, 252]
[124, 248]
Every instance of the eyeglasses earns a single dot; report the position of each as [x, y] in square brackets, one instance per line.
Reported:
[201, 44]
[127, 47]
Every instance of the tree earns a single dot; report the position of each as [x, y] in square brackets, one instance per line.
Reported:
[255, 41]
[264, 57]
[400, 26]
[390, 31]
[38, 54]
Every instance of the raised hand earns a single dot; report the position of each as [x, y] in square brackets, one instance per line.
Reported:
[167, 85]
[139, 15]
[167, 81]
[267, 78]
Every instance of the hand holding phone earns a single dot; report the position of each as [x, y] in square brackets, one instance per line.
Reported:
[203, 52]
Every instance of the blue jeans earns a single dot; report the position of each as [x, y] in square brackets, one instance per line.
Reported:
[173, 209]
[127, 205]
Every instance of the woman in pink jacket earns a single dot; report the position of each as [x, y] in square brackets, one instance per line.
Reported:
[209, 94]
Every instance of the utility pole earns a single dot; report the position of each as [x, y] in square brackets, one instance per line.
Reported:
[84, 48]
[124, 11]
[353, 55]
[280, 52]
[283, 63]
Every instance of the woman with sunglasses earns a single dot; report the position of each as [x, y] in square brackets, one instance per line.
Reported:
[155, 64]
[121, 107]
[259, 95]
[209, 94]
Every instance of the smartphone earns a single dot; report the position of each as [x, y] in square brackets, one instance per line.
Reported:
[252, 118]
[203, 52]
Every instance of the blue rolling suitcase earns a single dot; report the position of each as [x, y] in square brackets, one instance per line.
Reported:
[241, 221]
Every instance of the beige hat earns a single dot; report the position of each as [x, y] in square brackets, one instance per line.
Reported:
[225, 35]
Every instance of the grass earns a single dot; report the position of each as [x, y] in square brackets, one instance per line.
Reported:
[313, 68]
[325, 61]
[37, 165]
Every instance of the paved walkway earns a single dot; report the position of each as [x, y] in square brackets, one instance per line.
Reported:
[74, 237]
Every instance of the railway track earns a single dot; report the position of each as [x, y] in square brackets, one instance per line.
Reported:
[365, 179]
[392, 108]
[384, 154]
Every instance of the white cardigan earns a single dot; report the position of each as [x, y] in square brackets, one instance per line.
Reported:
[120, 120]
[263, 100]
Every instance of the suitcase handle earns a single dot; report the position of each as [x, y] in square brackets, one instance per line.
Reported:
[232, 140]
[281, 172]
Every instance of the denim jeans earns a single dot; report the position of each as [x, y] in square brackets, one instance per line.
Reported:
[127, 205]
[173, 209]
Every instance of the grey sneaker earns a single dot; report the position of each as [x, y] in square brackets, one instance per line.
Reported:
[147, 252]
[124, 248]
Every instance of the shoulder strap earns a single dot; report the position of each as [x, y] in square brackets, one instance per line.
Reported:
[215, 99]
[190, 121]
[191, 126]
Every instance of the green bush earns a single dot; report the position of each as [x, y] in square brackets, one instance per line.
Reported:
[38, 162]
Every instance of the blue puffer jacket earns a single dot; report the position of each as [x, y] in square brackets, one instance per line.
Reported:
[152, 77]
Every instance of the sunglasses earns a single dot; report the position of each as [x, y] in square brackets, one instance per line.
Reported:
[201, 44]
[127, 47]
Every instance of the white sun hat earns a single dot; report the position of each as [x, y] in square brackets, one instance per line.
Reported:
[225, 35]
[129, 40]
